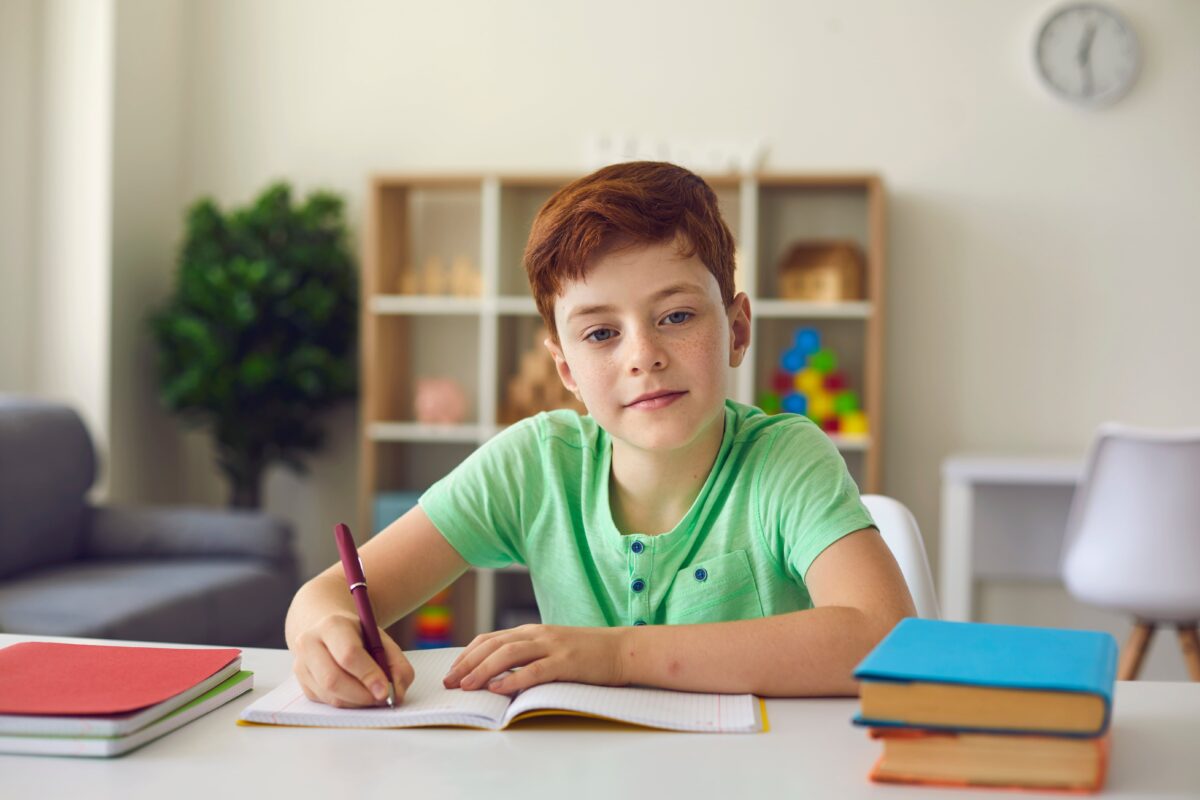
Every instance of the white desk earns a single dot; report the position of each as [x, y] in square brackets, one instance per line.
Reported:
[1002, 517]
[811, 751]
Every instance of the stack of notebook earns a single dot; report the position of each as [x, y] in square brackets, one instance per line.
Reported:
[964, 704]
[105, 700]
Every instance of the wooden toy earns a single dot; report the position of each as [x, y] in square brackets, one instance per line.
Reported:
[781, 381]
[536, 386]
[822, 271]
[410, 282]
[465, 280]
[433, 276]
[440, 401]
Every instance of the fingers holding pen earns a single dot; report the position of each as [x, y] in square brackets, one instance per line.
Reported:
[333, 667]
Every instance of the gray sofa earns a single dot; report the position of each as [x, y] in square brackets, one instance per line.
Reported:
[68, 568]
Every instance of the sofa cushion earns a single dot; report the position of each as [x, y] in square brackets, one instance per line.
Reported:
[214, 601]
[46, 465]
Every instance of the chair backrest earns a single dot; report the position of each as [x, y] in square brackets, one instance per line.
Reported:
[899, 530]
[1133, 535]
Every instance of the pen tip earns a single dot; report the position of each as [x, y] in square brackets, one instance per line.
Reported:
[391, 696]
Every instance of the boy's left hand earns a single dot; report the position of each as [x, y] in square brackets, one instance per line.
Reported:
[544, 652]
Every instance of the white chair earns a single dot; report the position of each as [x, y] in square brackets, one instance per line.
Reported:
[1133, 536]
[899, 530]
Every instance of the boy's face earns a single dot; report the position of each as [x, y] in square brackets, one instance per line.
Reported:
[645, 341]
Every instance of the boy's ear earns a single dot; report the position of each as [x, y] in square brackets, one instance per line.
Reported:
[739, 328]
[563, 368]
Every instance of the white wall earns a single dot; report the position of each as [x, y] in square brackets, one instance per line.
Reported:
[69, 344]
[1041, 275]
[19, 59]
[151, 111]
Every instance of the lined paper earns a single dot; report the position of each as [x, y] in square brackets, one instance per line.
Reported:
[658, 708]
[427, 702]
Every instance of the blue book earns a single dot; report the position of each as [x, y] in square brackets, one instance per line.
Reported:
[970, 676]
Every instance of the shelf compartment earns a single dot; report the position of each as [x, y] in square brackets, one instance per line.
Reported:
[427, 234]
[520, 201]
[415, 466]
[788, 215]
[399, 355]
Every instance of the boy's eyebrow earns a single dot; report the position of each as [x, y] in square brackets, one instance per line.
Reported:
[675, 288]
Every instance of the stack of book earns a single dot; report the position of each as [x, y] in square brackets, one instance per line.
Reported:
[105, 700]
[966, 704]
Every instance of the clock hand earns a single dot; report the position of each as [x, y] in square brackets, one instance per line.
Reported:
[1085, 58]
[1085, 46]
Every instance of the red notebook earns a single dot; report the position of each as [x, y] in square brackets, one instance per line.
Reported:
[53, 678]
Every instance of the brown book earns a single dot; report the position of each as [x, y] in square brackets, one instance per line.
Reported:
[995, 760]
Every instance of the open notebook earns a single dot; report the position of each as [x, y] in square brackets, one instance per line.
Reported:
[428, 703]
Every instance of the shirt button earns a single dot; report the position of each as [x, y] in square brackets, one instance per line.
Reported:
[637, 547]
[638, 585]
[701, 574]
[640, 622]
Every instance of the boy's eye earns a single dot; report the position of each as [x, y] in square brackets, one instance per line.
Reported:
[599, 335]
[678, 317]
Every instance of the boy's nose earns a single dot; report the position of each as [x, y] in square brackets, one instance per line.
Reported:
[646, 354]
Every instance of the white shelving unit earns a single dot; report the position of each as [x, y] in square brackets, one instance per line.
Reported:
[486, 218]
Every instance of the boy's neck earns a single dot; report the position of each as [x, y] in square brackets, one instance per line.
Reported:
[649, 493]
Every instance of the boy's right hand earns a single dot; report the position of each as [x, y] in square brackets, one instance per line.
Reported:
[334, 667]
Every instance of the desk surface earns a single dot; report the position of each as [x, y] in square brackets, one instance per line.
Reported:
[1002, 469]
[811, 751]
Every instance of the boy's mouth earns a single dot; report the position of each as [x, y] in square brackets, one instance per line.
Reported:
[652, 400]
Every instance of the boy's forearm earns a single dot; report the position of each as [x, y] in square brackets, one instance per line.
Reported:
[804, 653]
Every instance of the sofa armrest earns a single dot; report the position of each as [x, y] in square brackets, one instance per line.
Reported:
[183, 532]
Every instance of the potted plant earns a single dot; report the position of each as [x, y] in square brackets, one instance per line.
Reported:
[258, 337]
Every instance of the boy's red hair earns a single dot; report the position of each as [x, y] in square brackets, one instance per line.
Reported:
[634, 203]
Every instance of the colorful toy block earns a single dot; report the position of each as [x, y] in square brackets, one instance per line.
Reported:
[770, 402]
[795, 403]
[823, 361]
[809, 382]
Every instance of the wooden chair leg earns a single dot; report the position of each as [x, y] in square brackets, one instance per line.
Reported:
[1135, 651]
[1190, 643]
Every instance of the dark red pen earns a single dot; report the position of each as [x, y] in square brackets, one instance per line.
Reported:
[352, 566]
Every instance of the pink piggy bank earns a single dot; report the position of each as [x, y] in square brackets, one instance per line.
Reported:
[440, 401]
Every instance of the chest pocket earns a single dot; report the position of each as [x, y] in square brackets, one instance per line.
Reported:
[720, 589]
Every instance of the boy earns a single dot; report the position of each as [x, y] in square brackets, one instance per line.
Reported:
[674, 538]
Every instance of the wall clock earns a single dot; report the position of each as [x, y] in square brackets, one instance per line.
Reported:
[1087, 53]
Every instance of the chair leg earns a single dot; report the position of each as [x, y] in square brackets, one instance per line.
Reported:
[1135, 651]
[1190, 644]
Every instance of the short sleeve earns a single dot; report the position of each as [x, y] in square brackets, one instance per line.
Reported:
[478, 506]
[807, 499]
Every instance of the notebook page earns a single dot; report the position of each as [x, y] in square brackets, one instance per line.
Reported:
[656, 708]
[427, 702]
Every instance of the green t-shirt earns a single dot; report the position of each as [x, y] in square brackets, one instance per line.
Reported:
[538, 494]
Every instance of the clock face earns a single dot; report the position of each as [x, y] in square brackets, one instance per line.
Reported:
[1087, 53]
